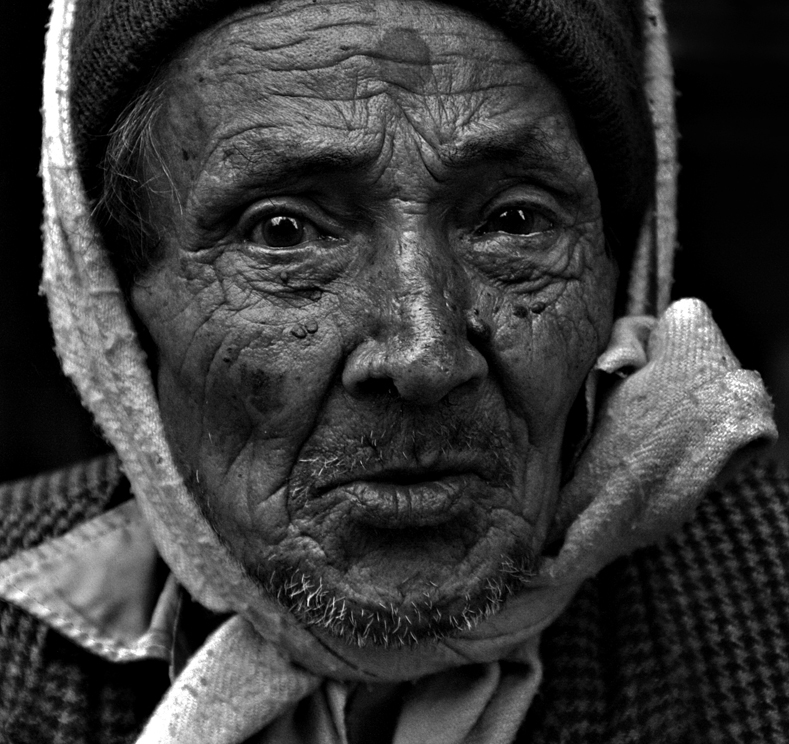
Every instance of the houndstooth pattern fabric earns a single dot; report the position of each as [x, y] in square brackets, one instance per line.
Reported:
[683, 642]
[727, 580]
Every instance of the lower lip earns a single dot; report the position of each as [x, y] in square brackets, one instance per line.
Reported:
[396, 505]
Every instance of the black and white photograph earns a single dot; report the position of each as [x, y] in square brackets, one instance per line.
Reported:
[394, 372]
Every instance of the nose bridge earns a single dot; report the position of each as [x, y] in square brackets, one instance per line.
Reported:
[421, 345]
[429, 291]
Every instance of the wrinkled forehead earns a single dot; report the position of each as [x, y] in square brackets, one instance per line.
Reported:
[356, 50]
[374, 76]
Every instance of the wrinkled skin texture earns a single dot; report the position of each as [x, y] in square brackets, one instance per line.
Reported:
[383, 283]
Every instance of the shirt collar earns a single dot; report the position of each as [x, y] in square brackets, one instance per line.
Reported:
[99, 586]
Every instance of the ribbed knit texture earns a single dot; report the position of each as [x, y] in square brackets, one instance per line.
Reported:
[591, 48]
[683, 642]
[49, 505]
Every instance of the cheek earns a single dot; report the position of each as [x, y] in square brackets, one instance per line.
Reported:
[262, 383]
[239, 390]
[546, 346]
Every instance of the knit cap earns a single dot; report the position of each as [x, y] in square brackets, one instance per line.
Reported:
[591, 49]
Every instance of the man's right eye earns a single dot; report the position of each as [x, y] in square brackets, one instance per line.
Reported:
[282, 231]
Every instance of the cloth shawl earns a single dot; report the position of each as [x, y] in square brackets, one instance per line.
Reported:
[675, 407]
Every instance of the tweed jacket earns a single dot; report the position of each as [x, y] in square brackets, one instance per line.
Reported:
[687, 641]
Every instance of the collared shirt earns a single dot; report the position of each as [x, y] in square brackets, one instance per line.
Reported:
[99, 585]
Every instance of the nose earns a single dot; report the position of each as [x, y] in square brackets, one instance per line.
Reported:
[420, 347]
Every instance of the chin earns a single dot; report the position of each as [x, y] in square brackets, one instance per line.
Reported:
[386, 616]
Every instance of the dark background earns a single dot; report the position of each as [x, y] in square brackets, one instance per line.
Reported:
[732, 72]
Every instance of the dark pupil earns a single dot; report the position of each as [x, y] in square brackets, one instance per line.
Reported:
[281, 232]
[514, 221]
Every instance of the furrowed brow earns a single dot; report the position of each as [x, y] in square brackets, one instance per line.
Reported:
[283, 163]
[531, 147]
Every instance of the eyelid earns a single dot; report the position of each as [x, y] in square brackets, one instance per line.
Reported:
[525, 197]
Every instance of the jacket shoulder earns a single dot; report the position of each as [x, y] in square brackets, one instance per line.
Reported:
[48, 505]
[720, 589]
[686, 641]
[51, 689]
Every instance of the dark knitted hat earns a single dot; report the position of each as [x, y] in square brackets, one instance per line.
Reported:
[592, 49]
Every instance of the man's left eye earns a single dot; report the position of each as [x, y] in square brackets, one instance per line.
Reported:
[282, 231]
[517, 221]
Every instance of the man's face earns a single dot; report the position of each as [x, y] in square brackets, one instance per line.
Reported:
[383, 284]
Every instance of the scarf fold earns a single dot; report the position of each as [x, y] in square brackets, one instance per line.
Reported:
[664, 433]
[677, 408]
[239, 688]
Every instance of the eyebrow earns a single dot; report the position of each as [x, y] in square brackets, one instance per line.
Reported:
[281, 163]
[266, 164]
[529, 145]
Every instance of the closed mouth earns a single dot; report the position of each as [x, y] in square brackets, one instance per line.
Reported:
[397, 499]
[411, 473]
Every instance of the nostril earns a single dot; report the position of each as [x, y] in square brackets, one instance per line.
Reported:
[373, 387]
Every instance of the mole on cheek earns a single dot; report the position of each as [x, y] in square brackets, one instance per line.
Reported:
[523, 311]
[302, 330]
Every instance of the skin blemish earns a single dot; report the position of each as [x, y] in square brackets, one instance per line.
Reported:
[311, 326]
[404, 59]
[299, 331]
[478, 329]
[258, 382]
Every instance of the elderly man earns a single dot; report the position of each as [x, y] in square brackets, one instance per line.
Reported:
[385, 429]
